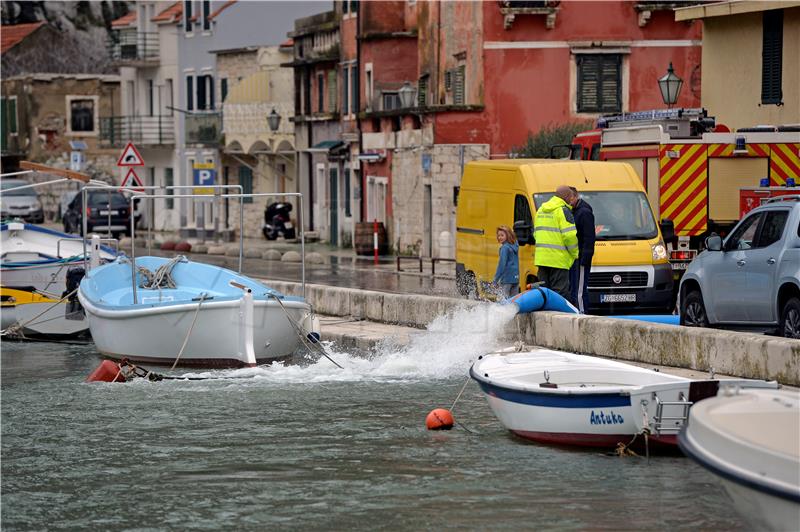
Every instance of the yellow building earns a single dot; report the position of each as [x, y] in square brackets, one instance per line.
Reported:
[751, 61]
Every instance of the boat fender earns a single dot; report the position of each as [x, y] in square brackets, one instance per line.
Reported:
[439, 419]
[73, 309]
[107, 371]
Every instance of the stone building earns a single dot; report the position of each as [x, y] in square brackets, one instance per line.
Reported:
[257, 97]
[46, 117]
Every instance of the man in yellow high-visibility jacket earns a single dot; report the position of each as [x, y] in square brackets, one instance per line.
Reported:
[556, 241]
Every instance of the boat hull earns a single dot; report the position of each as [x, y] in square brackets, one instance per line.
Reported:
[750, 440]
[156, 336]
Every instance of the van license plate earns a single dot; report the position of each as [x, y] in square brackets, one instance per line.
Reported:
[680, 265]
[106, 213]
[617, 298]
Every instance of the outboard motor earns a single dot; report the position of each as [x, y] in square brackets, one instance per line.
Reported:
[74, 310]
[277, 221]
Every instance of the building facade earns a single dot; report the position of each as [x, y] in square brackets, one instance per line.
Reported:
[751, 70]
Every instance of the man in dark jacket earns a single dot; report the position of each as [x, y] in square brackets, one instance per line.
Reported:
[579, 273]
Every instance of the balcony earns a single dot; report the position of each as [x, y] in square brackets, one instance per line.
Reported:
[204, 128]
[510, 9]
[142, 130]
[133, 47]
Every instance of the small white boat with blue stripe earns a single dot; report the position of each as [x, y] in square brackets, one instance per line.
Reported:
[563, 398]
[183, 313]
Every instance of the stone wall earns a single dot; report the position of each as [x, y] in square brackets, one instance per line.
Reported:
[439, 167]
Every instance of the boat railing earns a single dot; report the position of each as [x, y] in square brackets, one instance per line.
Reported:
[196, 197]
[140, 193]
[114, 241]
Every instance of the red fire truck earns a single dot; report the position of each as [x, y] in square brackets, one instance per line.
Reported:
[697, 173]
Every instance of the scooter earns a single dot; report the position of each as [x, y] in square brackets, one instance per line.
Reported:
[277, 221]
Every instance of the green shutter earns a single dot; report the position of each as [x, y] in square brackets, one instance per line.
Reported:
[12, 115]
[332, 91]
[599, 83]
[246, 180]
[3, 125]
[772, 57]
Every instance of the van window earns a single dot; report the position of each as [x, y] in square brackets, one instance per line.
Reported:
[522, 210]
[618, 215]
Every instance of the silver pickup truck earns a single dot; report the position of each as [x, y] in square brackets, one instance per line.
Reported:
[751, 279]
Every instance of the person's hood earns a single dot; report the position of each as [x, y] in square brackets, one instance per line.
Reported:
[514, 247]
[553, 204]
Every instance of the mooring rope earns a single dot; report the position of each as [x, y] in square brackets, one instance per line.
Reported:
[189, 332]
[16, 328]
[312, 346]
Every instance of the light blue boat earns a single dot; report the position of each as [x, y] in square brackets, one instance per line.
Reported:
[191, 314]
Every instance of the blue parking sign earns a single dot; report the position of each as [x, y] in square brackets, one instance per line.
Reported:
[203, 176]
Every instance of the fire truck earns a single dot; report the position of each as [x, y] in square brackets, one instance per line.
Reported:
[700, 175]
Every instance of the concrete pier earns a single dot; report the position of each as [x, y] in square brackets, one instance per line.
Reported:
[746, 355]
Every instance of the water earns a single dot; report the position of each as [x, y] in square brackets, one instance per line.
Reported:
[310, 446]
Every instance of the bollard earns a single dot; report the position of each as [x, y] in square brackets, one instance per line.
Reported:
[375, 239]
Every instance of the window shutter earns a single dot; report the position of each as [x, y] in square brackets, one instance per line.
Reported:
[458, 89]
[201, 93]
[448, 80]
[12, 115]
[772, 57]
[354, 108]
[422, 91]
[599, 83]
[610, 83]
[331, 91]
[189, 93]
[345, 90]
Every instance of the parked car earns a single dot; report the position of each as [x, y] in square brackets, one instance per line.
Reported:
[22, 204]
[102, 207]
[752, 278]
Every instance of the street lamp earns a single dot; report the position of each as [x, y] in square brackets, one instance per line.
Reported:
[274, 120]
[670, 86]
[406, 94]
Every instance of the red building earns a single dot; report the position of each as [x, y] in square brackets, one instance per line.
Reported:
[442, 83]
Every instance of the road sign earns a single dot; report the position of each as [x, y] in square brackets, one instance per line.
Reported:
[204, 175]
[132, 182]
[76, 161]
[130, 156]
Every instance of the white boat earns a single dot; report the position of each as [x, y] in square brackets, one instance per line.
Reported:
[750, 439]
[207, 317]
[34, 263]
[563, 398]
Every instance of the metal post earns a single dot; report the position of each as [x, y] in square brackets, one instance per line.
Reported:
[375, 240]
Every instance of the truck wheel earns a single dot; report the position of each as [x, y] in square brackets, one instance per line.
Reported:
[790, 319]
[693, 311]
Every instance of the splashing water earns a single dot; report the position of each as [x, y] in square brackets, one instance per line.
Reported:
[445, 349]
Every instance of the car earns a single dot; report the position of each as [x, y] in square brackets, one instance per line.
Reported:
[108, 212]
[751, 279]
[24, 204]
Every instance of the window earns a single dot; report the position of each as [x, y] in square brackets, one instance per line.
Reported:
[772, 229]
[206, 14]
[205, 93]
[354, 89]
[368, 92]
[376, 198]
[345, 91]
[422, 91]
[391, 101]
[321, 92]
[745, 233]
[187, 15]
[8, 117]
[168, 98]
[151, 97]
[223, 89]
[190, 93]
[354, 7]
[169, 181]
[772, 57]
[332, 90]
[246, 180]
[81, 115]
[459, 89]
[522, 210]
[347, 192]
[599, 83]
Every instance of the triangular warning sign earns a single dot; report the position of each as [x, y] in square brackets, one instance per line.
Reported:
[130, 156]
[132, 182]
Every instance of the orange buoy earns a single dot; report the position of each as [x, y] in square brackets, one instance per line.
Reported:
[107, 371]
[439, 419]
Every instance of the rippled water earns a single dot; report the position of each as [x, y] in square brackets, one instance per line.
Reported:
[309, 446]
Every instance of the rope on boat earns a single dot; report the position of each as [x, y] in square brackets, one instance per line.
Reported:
[191, 327]
[16, 328]
[307, 339]
[162, 277]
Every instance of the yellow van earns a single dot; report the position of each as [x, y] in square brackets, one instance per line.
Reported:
[630, 269]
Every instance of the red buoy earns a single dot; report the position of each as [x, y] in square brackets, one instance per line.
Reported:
[439, 419]
[168, 245]
[107, 371]
[183, 246]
